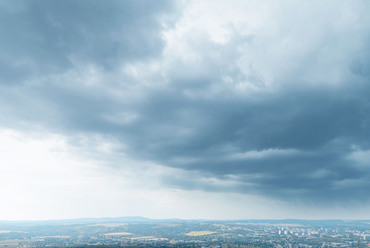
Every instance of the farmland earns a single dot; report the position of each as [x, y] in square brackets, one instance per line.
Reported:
[199, 233]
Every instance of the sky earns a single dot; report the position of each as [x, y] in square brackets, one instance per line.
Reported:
[207, 109]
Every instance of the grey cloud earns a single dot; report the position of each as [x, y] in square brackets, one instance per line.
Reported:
[41, 37]
[195, 122]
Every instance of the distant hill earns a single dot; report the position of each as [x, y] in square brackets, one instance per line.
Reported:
[128, 219]
[112, 219]
[140, 219]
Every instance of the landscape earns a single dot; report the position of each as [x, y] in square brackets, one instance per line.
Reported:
[185, 123]
[145, 232]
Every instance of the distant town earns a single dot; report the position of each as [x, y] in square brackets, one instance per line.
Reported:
[143, 232]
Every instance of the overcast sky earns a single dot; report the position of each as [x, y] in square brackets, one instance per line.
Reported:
[186, 109]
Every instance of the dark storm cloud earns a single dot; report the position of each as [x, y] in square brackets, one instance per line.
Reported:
[43, 40]
[303, 140]
[40, 37]
[298, 143]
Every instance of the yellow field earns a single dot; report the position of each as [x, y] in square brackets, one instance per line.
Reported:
[118, 234]
[55, 237]
[199, 233]
[109, 224]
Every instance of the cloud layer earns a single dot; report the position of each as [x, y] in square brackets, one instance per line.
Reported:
[257, 97]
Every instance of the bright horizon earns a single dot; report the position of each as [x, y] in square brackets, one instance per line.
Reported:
[129, 219]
